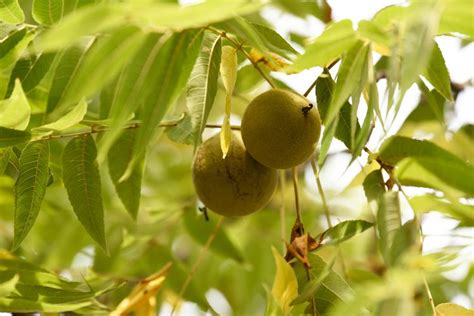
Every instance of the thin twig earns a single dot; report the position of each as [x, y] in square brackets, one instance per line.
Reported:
[297, 200]
[282, 208]
[428, 292]
[100, 129]
[239, 46]
[327, 213]
[196, 264]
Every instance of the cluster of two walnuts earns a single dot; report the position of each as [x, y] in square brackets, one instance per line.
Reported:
[280, 129]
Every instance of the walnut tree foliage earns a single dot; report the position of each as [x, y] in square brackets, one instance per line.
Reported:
[104, 102]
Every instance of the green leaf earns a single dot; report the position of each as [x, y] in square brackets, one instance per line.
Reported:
[425, 164]
[274, 40]
[372, 32]
[200, 229]
[69, 63]
[285, 285]
[89, 20]
[82, 181]
[247, 80]
[388, 222]
[174, 65]
[69, 119]
[11, 12]
[171, 16]
[15, 111]
[326, 141]
[4, 159]
[327, 286]
[101, 63]
[427, 203]
[407, 240]
[348, 79]
[11, 49]
[40, 290]
[183, 132]
[11, 137]
[202, 85]
[119, 157]
[30, 188]
[330, 45]
[47, 12]
[437, 73]
[264, 39]
[345, 230]
[374, 185]
[324, 91]
[33, 73]
[132, 86]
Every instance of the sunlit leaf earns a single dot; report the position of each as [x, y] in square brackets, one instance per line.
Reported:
[82, 181]
[451, 309]
[456, 17]
[326, 140]
[202, 85]
[345, 230]
[30, 188]
[334, 41]
[381, 40]
[11, 12]
[247, 79]
[437, 73]
[71, 118]
[8, 283]
[48, 12]
[11, 137]
[119, 157]
[388, 222]
[427, 203]
[228, 70]
[15, 111]
[285, 285]
[428, 165]
[89, 20]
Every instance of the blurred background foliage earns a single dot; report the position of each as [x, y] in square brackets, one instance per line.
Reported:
[376, 65]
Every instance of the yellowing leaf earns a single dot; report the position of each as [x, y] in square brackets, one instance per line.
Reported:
[285, 285]
[228, 71]
[450, 309]
[271, 60]
[229, 67]
[15, 111]
[142, 301]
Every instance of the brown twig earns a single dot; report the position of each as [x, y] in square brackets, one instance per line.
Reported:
[314, 82]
